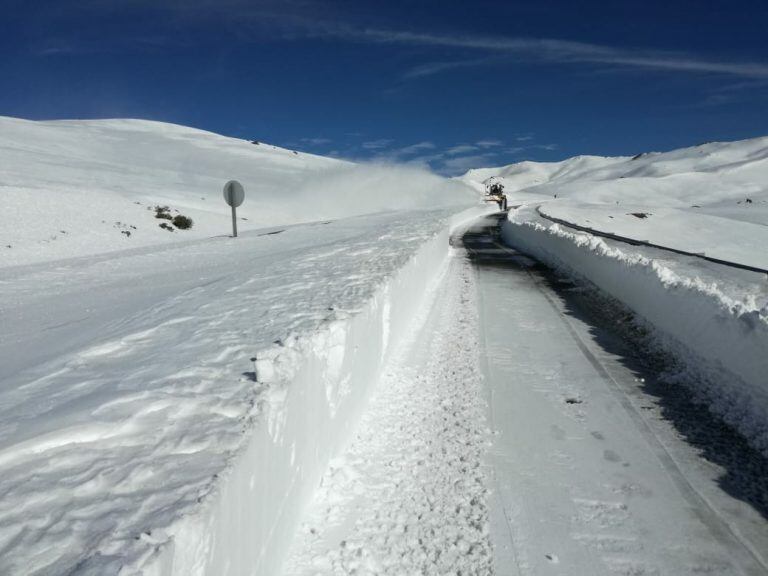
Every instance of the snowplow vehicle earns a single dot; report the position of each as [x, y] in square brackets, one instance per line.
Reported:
[494, 192]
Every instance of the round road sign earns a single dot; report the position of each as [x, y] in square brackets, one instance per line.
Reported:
[234, 193]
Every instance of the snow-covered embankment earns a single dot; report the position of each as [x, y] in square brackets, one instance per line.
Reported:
[318, 387]
[720, 340]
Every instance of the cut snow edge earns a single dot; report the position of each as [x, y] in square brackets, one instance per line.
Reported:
[316, 388]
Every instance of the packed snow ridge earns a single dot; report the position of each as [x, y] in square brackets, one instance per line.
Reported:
[709, 200]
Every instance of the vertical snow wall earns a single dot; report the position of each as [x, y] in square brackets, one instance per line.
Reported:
[318, 388]
[722, 344]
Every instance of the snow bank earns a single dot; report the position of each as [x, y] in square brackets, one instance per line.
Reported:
[721, 336]
[318, 387]
[74, 188]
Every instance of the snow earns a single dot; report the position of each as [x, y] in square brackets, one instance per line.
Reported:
[134, 426]
[73, 188]
[408, 495]
[132, 429]
[715, 178]
[710, 199]
[719, 331]
[171, 401]
[714, 236]
[520, 441]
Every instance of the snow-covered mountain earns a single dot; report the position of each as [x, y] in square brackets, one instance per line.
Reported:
[70, 188]
[715, 178]
[711, 198]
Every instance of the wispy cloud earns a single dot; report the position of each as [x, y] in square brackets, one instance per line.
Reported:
[287, 20]
[493, 155]
[315, 141]
[56, 50]
[515, 150]
[449, 160]
[431, 68]
[463, 163]
[414, 148]
[732, 93]
[377, 144]
[544, 50]
[489, 143]
[421, 153]
[461, 149]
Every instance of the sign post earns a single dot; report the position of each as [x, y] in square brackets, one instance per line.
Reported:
[234, 194]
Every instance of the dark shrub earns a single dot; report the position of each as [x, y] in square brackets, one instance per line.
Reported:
[182, 222]
[163, 212]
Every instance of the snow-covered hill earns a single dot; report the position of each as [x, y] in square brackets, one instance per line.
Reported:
[69, 188]
[726, 179]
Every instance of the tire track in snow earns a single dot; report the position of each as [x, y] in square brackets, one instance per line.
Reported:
[409, 494]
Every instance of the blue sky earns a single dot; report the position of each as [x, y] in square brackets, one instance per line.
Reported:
[448, 84]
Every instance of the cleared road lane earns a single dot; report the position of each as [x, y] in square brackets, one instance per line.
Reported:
[590, 471]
